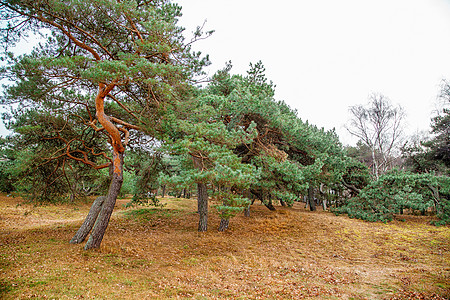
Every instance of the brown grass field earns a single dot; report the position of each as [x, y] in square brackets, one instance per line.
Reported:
[156, 253]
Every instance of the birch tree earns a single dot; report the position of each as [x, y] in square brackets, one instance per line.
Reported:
[378, 126]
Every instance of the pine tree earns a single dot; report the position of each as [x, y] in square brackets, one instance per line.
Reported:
[120, 62]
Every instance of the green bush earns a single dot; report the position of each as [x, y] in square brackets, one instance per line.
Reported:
[396, 191]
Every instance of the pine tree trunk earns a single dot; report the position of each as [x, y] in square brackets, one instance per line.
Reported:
[88, 223]
[73, 192]
[247, 211]
[116, 168]
[102, 221]
[224, 223]
[269, 204]
[202, 198]
[163, 191]
[202, 201]
[312, 202]
[248, 195]
[436, 198]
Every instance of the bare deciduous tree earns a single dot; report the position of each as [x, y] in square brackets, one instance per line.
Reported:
[378, 125]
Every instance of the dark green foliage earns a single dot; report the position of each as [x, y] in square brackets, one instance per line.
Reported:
[135, 47]
[146, 167]
[288, 153]
[396, 191]
[40, 167]
[440, 145]
[432, 154]
[7, 164]
[361, 153]
[6, 180]
[356, 177]
[202, 148]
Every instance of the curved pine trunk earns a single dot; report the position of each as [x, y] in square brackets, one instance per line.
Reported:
[269, 204]
[102, 221]
[202, 201]
[105, 213]
[88, 223]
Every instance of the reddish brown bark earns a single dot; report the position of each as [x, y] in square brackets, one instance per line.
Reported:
[102, 220]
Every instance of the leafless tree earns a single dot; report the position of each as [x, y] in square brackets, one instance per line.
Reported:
[378, 125]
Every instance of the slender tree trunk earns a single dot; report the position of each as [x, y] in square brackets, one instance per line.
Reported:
[375, 164]
[436, 198]
[269, 203]
[102, 221]
[163, 191]
[73, 192]
[202, 201]
[312, 202]
[202, 198]
[88, 223]
[224, 223]
[247, 211]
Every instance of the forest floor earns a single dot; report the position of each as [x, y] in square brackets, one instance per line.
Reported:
[156, 253]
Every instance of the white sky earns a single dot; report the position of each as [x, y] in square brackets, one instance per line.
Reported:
[326, 55]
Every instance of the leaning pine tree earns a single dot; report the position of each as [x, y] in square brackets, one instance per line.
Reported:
[114, 66]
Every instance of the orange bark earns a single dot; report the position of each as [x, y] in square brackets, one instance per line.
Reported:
[114, 133]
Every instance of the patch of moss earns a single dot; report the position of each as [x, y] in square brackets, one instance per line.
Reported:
[147, 214]
[5, 288]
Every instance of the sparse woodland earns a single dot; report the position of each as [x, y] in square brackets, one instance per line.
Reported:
[110, 106]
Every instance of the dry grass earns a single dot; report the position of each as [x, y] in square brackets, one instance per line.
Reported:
[157, 254]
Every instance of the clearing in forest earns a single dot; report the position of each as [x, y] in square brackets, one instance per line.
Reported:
[156, 253]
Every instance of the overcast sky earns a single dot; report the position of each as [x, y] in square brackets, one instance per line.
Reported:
[327, 55]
